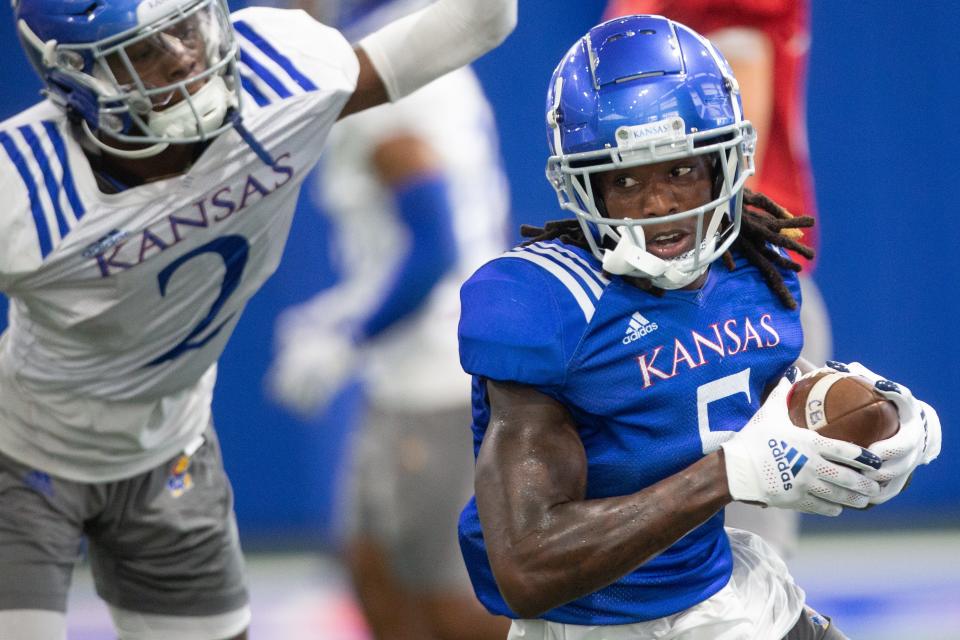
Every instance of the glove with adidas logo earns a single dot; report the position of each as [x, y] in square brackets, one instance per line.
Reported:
[774, 463]
[917, 442]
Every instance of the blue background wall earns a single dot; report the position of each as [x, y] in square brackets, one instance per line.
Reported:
[882, 120]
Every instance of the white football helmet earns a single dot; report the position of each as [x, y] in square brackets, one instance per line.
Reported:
[142, 72]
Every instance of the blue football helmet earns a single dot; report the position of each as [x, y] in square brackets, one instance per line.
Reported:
[642, 90]
[144, 72]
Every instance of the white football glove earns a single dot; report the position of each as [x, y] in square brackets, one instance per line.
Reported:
[313, 362]
[772, 462]
[917, 442]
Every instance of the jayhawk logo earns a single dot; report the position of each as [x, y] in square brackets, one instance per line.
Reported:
[180, 481]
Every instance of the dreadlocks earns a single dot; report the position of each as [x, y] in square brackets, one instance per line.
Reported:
[764, 223]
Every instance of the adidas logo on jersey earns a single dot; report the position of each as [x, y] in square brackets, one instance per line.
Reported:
[638, 327]
[789, 461]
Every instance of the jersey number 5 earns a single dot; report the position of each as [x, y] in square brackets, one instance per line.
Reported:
[718, 390]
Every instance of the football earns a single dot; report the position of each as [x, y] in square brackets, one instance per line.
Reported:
[842, 407]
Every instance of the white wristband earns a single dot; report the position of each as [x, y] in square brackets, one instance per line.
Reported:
[435, 40]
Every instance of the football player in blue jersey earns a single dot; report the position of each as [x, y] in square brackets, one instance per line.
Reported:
[146, 199]
[631, 368]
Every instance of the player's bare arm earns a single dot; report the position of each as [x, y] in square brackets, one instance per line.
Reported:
[547, 543]
[410, 52]
[370, 88]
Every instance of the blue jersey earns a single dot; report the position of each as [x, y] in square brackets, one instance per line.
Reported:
[653, 384]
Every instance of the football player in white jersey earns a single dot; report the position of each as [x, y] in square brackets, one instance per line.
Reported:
[439, 213]
[146, 200]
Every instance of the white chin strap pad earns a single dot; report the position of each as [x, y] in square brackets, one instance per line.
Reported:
[211, 103]
[627, 259]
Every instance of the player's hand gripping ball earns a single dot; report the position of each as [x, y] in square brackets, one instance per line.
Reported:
[842, 406]
[916, 442]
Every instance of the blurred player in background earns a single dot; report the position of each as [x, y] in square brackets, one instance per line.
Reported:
[146, 200]
[766, 43]
[619, 362]
[418, 200]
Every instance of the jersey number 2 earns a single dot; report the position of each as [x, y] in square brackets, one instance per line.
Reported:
[233, 250]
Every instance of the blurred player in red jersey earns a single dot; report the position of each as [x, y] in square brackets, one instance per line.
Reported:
[766, 42]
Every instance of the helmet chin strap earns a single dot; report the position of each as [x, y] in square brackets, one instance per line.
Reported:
[199, 113]
[629, 259]
[210, 103]
[145, 152]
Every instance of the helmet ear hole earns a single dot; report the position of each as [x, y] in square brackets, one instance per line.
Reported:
[717, 170]
[70, 59]
[598, 194]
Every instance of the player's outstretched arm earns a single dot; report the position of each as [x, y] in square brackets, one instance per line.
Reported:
[412, 171]
[416, 49]
[547, 544]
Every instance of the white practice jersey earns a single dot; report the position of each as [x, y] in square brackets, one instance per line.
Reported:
[121, 304]
[414, 364]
